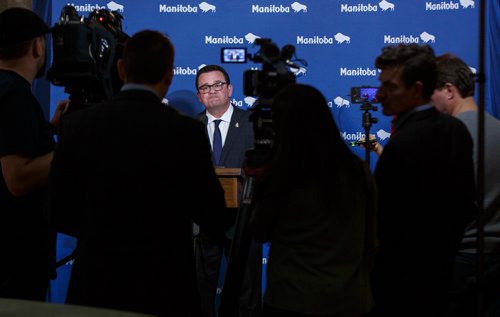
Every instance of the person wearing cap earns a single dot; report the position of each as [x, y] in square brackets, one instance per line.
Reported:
[26, 148]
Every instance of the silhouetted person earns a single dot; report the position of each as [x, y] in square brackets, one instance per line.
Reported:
[128, 176]
[26, 149]
[426, 191]
[315, 203]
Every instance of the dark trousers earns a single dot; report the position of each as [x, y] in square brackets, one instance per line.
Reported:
[208, 255]
[466, 294]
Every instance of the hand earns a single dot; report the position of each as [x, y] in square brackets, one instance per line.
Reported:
[374, 145]
[61, 108]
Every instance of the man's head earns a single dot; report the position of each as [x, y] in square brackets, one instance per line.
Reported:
[455, 82]
[407, 78]
[22, 37]
[148, 58]
[214, 89]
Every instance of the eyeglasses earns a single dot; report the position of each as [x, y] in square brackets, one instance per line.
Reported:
[205, 89]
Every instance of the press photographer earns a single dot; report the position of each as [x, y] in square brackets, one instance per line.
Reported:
[264, 84]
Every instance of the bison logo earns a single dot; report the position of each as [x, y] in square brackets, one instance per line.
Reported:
[205, 7]
[386, 5]
[113, 6]
[382, 135]
[297, 7]
[426, 37]
[339, 101]
[341, 38]
[250, 37]
[250, 101]
[467, 4]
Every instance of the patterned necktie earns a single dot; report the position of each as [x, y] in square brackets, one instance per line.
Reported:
[217, 142]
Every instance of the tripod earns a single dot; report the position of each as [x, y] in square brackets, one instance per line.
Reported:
[367, 122]
[235, 272]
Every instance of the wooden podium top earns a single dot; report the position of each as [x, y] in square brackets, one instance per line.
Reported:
[230, 178]
[228, 172]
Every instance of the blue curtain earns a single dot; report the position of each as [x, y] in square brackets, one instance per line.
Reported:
[41, 87]
[492, 58]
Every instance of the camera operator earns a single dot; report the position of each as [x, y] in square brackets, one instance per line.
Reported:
[231, 135]
[120, 169]
[26, 149]
[315, 203]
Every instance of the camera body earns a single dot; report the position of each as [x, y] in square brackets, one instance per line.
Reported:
[86, 51]
[275, 72]
[364, 94]
[264, 84]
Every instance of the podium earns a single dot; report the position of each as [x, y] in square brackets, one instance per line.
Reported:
[230, 179]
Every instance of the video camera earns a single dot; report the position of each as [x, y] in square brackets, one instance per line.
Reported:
[363, 94]
[86, 51]
[275, 73]
[264, 84]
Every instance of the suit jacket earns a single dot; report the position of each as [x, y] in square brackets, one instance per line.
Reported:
[123, 179]
[239, 138]
[426, 190]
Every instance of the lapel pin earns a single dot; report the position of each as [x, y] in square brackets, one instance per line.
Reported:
[237, 125]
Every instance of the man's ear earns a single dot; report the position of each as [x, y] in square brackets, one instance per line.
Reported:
[169, 77]
[418, 89]
[451, 90]
[38, 47]
[121, 70]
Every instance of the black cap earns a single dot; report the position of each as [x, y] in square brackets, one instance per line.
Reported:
[19, 25]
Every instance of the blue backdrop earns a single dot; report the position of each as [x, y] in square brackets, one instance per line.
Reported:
[338, 38]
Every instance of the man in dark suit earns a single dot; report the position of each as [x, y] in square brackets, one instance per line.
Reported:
[123, 180]
[231, 135]
[425, 181]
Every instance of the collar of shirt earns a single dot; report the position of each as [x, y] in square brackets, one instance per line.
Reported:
[134, 86]
[223, 125]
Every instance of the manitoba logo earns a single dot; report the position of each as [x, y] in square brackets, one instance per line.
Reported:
[352, 136]
[425, 37]
[185, 71]
[339, 38]
[279, 8]
[449, 5]
[113, 6]
[226, 39]
[384, 5]
[87, 7]
[182, 8]
[359, 71]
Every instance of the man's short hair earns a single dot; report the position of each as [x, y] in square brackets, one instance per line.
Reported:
[148, 56]
[18, 28]
[418, 63]
[453, 70]
[212, 68]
